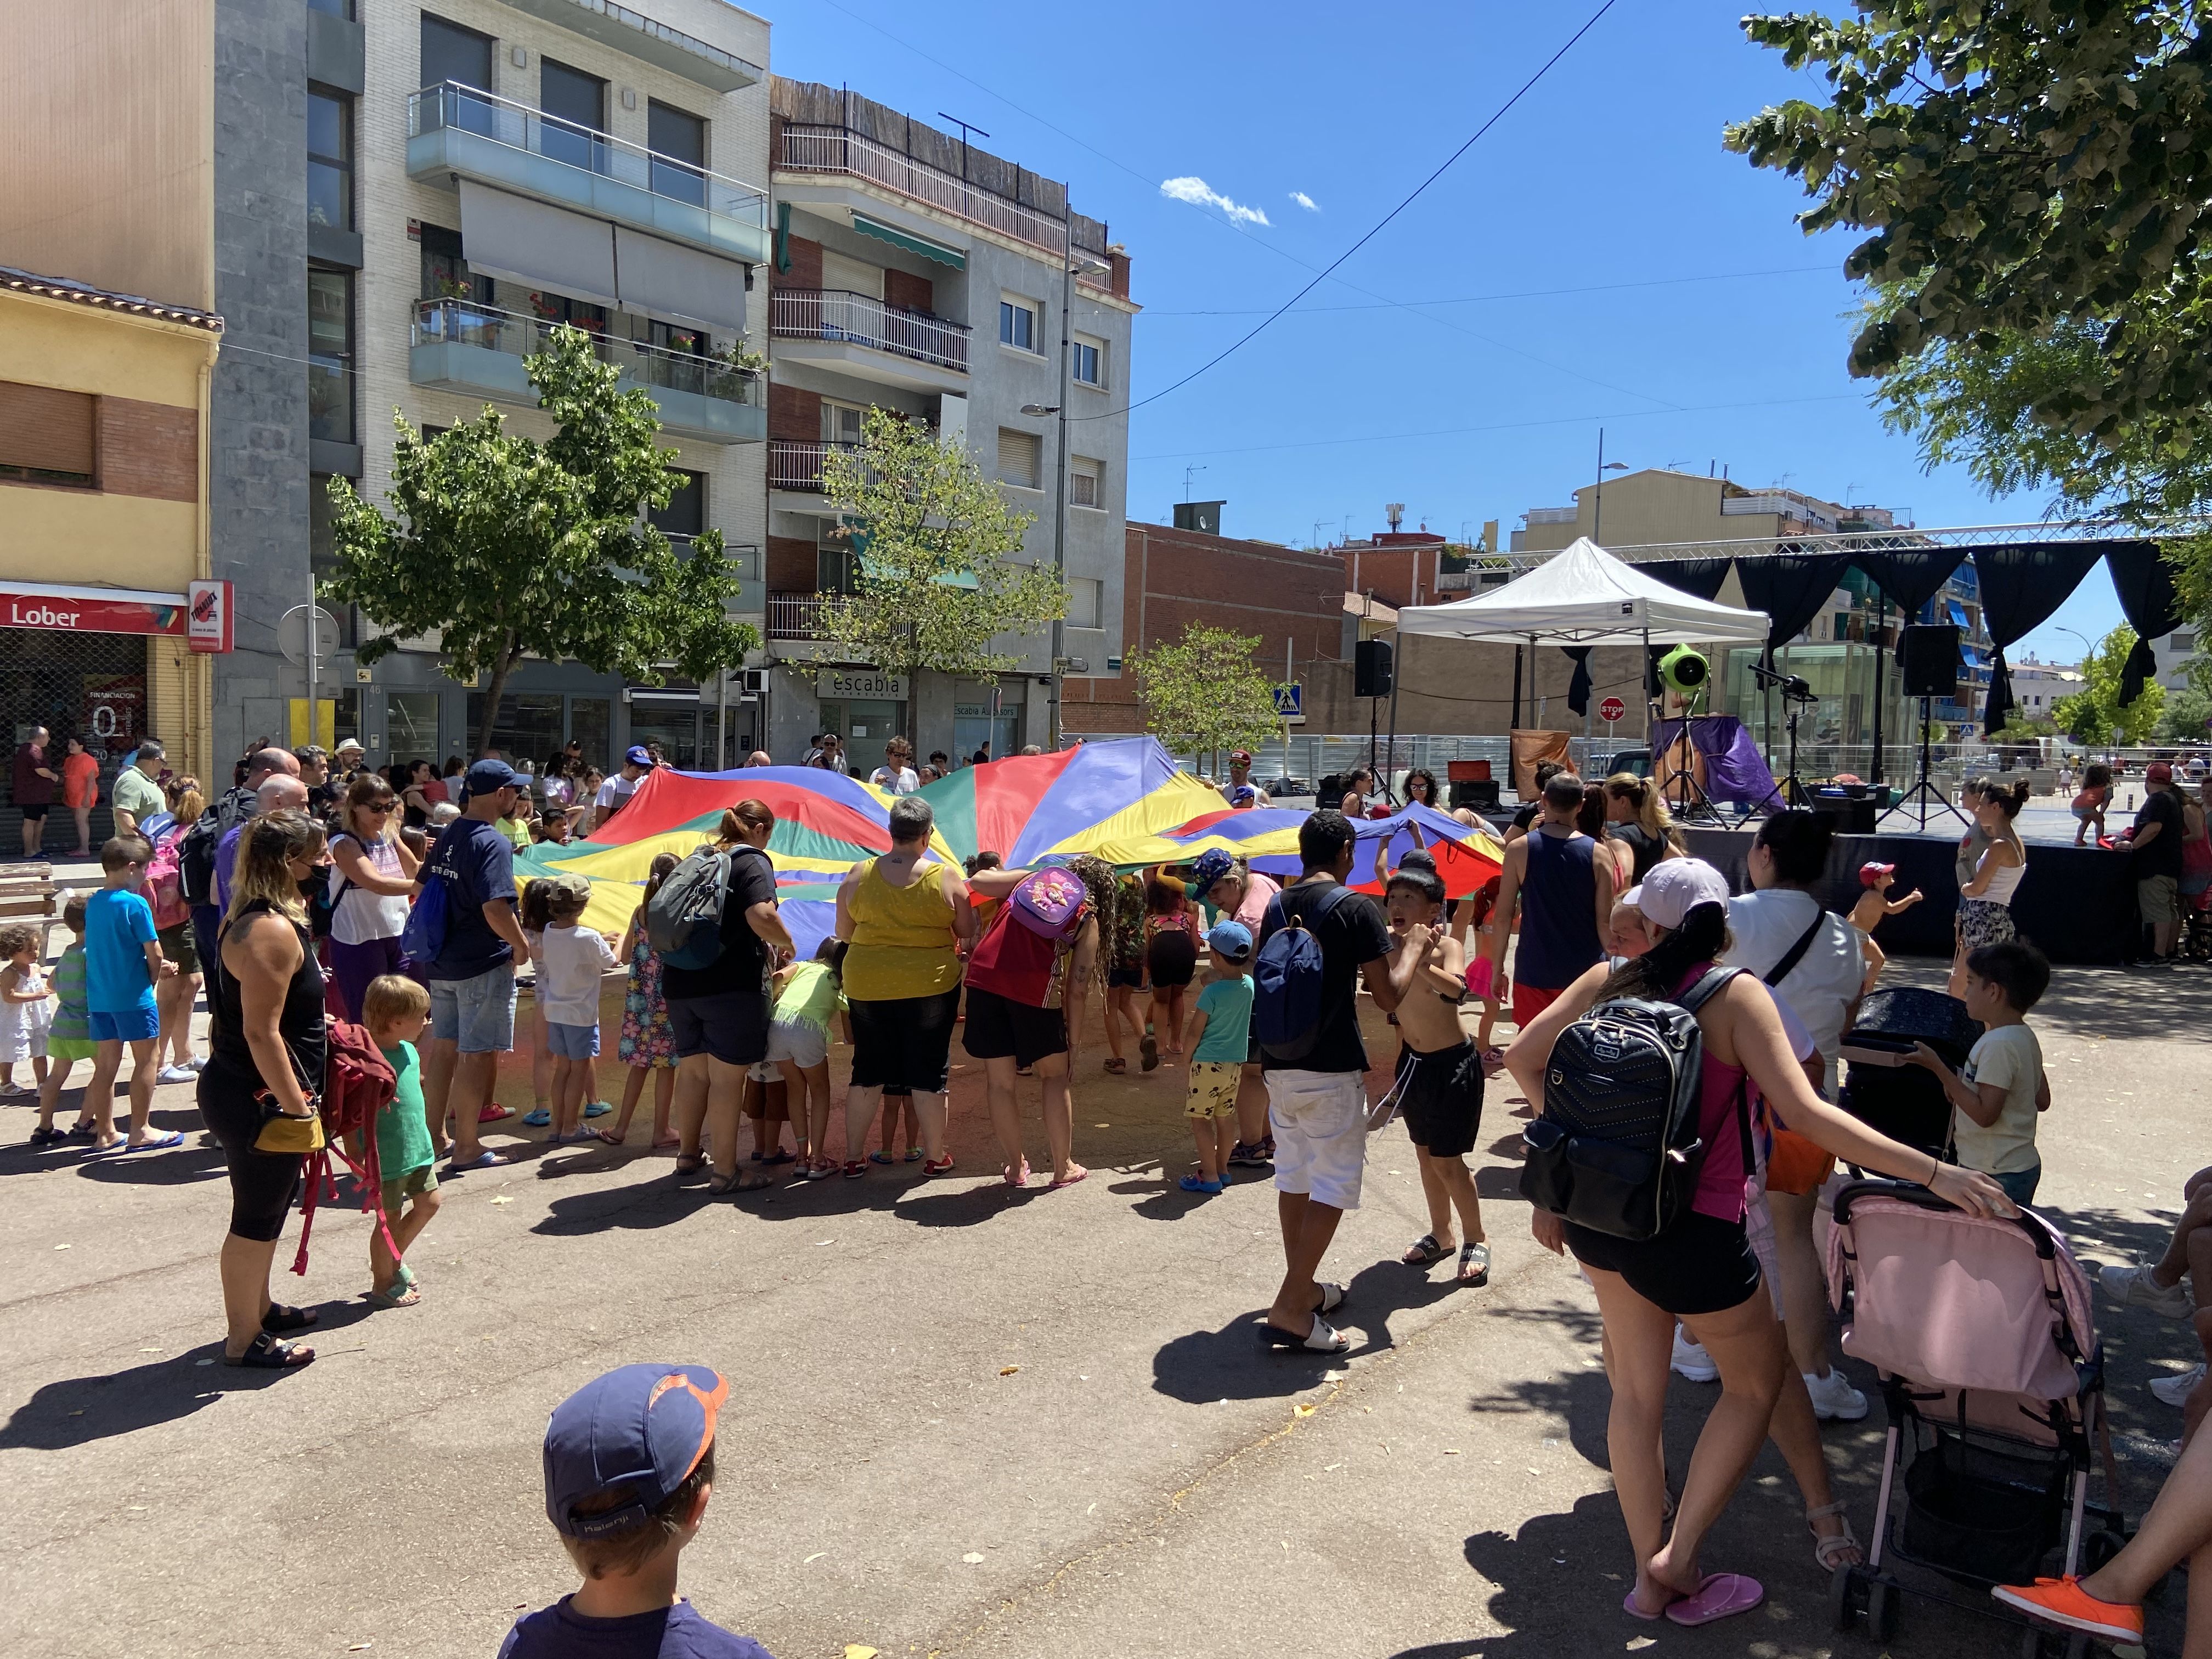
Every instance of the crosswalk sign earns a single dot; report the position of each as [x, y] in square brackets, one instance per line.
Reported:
[1288, 702]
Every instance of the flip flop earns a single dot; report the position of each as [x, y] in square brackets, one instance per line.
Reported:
[1476, 1255]
[401, 1295]
[1628, 1605]
[1018, 1178]
[1068, 1179]
[1423, 1251]
[268, 1353]
[486, 1159]
[1719, 1595]
[1320, 1338]
[174, 1137]
[494, 1113]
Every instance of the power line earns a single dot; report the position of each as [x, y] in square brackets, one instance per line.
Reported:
[1497, 116]
[1523, 294]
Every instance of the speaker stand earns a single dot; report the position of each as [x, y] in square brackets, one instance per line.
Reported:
[1684, 796]
[1791, 791]
[1923, 793]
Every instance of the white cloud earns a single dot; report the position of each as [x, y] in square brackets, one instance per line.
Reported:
[1305, 201]
[1196, 191]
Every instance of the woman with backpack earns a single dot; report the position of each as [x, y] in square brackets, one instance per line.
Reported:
[1698, 1265]
[371, 876]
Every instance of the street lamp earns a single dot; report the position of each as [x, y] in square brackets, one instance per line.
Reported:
[1059, 523]
[1597, 511]
[2087, 649]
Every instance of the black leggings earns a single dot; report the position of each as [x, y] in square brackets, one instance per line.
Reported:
[261, 1183]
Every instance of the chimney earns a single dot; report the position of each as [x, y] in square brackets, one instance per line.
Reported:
[1117, 280]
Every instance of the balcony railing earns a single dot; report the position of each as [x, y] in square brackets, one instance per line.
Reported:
[795, 615]
[838, 149]
[798, 465]
[810, 313]
[570, 163]
[458, 322]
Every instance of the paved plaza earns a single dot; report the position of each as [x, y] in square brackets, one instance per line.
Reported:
[961, 1422]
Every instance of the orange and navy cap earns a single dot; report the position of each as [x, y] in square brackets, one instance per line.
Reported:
[645, 1427]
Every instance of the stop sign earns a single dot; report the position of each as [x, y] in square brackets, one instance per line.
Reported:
[1612, 709]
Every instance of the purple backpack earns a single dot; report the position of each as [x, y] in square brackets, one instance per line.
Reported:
[1049, 901]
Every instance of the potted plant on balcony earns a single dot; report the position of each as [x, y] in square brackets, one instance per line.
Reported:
[736, 366]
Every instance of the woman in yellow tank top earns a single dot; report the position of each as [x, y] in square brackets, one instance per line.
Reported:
[906, 917]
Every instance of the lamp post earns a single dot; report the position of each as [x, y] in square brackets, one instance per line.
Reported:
[1597, 510]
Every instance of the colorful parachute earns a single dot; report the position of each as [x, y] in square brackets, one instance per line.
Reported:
[1267, 837]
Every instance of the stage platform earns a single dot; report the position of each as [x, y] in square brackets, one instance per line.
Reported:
[2077, 905]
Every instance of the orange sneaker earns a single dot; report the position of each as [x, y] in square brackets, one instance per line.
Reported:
[2064, 1602]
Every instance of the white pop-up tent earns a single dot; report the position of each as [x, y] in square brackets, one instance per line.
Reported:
[1584, 596]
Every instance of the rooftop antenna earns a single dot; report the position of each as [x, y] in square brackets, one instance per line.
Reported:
[965, 129]
[1317, 524]
[1187, 471]
[1394, 512]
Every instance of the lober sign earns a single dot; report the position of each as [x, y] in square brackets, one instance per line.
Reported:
[91, 610]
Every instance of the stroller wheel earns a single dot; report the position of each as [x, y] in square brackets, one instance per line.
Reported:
[2098, 1549]
[1844, 1600]
[1882, 1598]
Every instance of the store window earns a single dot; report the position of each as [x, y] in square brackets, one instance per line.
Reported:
[528, 727]
[410, 726]
[673, 726]
[82, 685]
[591, 724]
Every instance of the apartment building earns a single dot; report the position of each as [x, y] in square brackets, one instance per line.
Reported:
[914, 272]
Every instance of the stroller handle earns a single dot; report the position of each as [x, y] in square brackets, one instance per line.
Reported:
[1911, 1192]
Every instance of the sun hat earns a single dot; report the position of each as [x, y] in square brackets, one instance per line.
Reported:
[1674, 888]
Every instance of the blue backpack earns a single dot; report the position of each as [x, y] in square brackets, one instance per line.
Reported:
[1286, 980]
[423, 939]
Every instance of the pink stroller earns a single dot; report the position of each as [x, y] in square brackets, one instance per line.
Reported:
[1983, 1334]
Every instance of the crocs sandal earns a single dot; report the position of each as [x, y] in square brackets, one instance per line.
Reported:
[536, 1118]
[1476, 1255]
[494, 1113]
[1721, 1595]
[598, 1108]
[910, 1154]
[1423, 1251]
[1196, 1184]
[269, 1353]
[881, 1157]
[1320, 1338]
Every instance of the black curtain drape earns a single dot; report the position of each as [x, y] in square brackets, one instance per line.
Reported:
[1578, 688]
[2144, 581]
[1701, 577]
[1791, 588]
[2022, 585]
[1909, 575]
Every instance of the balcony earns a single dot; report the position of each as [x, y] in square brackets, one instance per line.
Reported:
[839, 150]
[637, 36]
[797, 465]
[457, 132]
[479, 351]
[863, 336]
[744, 560]
[795, 615]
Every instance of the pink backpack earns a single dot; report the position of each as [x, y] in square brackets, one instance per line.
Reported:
[163, 891]
[1049, 901]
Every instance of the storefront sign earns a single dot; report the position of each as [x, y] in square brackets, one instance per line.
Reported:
[90, 610]
[845, 684]
[209, 627]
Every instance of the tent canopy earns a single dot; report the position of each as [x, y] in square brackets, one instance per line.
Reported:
[1584, 596]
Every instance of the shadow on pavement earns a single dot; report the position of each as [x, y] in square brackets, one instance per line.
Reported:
[81, 1409]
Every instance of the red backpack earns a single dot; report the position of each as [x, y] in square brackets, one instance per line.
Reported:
[1020, 951]
[163, 889]
[357, 1083]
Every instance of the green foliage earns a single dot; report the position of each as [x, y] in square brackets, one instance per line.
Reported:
[508, 548]
[934, 587]
[2095, 714]
[2019, 728]
[1207, 691]
[2186, 718]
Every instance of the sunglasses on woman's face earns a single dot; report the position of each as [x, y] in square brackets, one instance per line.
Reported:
[377, 807]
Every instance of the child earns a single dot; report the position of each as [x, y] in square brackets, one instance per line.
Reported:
[24, 1010]
[806, 994]
[1171, 960]
[900, 1123]
[766, 1101]
[552, 825]
[1125, 977]
[570, 960]
[2089, 805]
[629, 1466]
[68, 1038]
[1996, 1099]
[536, 915]
[122, 960]
[1220, 1037]
[415, 841]
[648, 1044]
[1478, 913]
[394, 1009]
[1439, 1082]
[1874, 904]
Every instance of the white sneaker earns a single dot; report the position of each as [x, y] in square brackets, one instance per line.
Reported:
[1692, 1363]
[2176, 1389]
[197, 1063]
[176, 1074]
[2134, 1287]
[1834, 1397]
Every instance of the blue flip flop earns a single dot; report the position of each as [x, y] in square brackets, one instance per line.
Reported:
[486, 1159]
[174, 1137]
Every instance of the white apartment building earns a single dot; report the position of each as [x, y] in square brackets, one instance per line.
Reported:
[2037, 686]
[2175, 652]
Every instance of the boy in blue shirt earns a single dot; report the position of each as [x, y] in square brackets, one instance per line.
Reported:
[1220, 1040]
[122, 960]
[629, 1465]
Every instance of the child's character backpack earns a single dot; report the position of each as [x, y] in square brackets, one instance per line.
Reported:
[164, 882]
[1020, 951]
[1287, 979]
[357, 1083]
[1616, 1147]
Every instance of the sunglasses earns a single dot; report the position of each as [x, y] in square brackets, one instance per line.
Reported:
[377, 807]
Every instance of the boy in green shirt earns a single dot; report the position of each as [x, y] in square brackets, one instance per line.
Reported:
[1220, 1039]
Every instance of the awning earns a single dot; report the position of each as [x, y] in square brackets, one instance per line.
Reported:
[52, 607]
[911, 243]
[537, 246]
[1958, 614]
[683, 282]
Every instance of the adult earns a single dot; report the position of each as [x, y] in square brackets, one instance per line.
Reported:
[1353, 788]
[897, 775]
[346, 764]
[278, 793]
[1524, 814]
[35, 783]
[81, 791]
[760, 757]
[137, 794]
[415, 795]
[1566, 896]
[1317, 1098]
[1810, 958]
[1232, 887]
[473, 976]
[832, 756]
[1605, 850]
[1702, 1270]
[452, 780]
[1985, 898]
[718, 1015]
[1032, 748]
[2195, 847]
[266, 1035]
[2156, 847]
[231, 810]
[315, 773]
[1636, 816]
[1421, 788]
[907, 916]
[371, 879]
[1240, 778]
[614, 792]
[1025, 1004]
[942, 762]
[174, 995]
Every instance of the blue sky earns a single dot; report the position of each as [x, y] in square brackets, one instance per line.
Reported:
[1660, 288]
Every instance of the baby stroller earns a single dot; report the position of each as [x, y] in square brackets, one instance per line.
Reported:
[1982, 1332]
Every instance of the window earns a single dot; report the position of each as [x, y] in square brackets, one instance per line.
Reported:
[836, 569]
[1086, 482]
[1084, 365]
[679, 142]
[1020, 462]
[330, 159]
[2181, 641]
[1083, 599]
[575, 105]
[333, 8]
[1017, 325]
[686, 512]
[446, 273]
[330, 355]
[47, 435]
[841, 423]
[451, 52]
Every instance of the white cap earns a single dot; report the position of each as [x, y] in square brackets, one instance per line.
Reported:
[1674, 888]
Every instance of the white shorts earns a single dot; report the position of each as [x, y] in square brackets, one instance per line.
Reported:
[802, 1042]
[1319, 1124]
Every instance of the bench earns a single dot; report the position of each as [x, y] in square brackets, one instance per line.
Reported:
[27, 893]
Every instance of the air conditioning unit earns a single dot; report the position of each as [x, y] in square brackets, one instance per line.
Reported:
[752, 685]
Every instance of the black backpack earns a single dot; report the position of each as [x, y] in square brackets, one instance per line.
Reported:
[1616, 1147]
[196, 853]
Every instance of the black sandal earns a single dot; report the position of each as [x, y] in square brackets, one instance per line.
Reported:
[281, 1320]
[269, 1353]
[1424, 1251]
[690, 1164]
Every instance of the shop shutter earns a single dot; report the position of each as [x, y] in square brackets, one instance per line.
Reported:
[45, 428]
[1019, 462]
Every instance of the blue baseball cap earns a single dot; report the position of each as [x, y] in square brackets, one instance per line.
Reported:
[638, 755]
[487, 775]
[1229, 939]
[644, 1427]
[1212, 865]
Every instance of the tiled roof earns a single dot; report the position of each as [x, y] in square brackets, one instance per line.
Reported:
[83, 293]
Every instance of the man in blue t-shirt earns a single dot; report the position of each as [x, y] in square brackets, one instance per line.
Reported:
[122, 961]
[472, 978]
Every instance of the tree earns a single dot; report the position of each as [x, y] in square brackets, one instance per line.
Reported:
[2095, 714]
[1207, 691]
[508, 548]
[2188, 717]
[934, 587]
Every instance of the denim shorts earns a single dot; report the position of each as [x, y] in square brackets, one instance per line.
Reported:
[572, 1042]
[477, 1013]
[140, 1024]
[2019, 1184]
